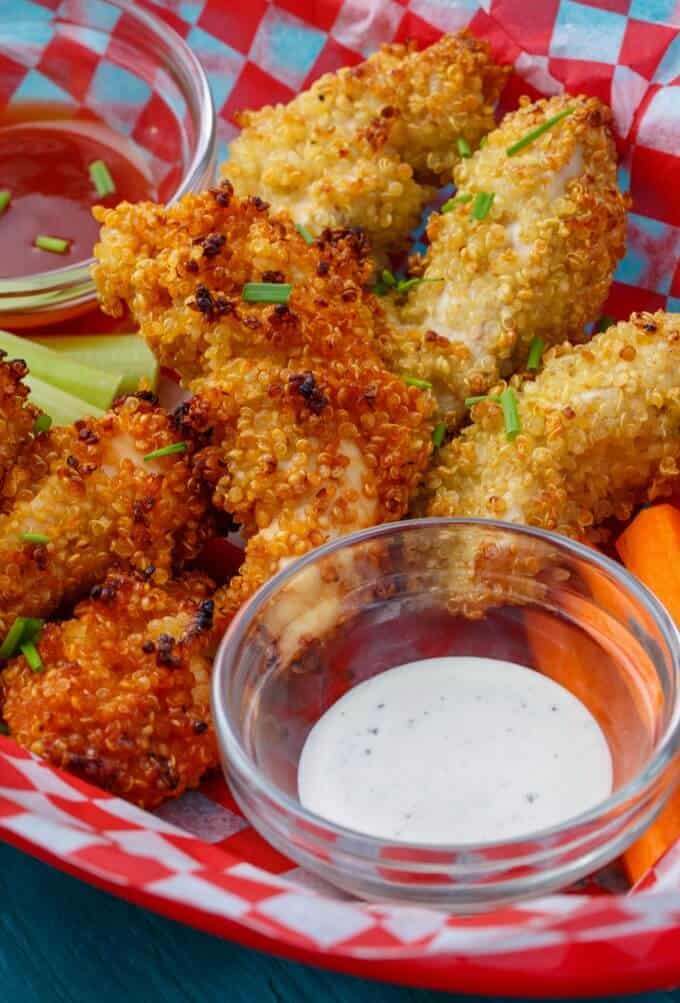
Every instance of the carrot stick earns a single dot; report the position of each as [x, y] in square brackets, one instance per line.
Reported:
[650, 548]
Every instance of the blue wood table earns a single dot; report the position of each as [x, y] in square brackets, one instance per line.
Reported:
[64, 942]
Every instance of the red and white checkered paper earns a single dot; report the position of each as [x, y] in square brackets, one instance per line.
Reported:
[197, 859]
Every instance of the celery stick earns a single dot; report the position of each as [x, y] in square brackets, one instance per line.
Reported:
[93, 385]
[125, 355]
[62, 408]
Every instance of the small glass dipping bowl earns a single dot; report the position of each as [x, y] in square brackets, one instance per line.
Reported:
[114, 59]
[399, 593]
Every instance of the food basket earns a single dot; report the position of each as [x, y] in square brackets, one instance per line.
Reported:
[197, 859]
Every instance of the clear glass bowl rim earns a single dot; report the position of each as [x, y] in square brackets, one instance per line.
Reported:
[78, 274]
[634, 789]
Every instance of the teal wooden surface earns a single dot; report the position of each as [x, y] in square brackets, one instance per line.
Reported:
[64, 942]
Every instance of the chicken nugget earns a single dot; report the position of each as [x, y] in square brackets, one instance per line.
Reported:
[123, 696]
[600, 434]
[525, 250]
[184, 272]
[89, 496]
[300, 456]
[364, 146]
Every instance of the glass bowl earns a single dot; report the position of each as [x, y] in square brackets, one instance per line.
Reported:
[419, 589]
[114, 59]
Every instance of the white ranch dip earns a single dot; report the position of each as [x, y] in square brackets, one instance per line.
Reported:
[454, 750]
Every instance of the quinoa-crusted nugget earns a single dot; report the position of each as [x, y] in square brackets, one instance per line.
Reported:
[17, 414]
[299, 456]
[363, 146]
[600, 433]
[124, 697]
[537, 262]
[182, 271]
[310, 457]
[87, 488]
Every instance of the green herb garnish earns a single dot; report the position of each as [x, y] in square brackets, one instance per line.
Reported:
[536, 349]
[43, 423]
[13, 638]
[463, 147]
[482, 204]
[57, 245]
[5, 199]
[413, 381]
[388, 281]
[32, 656]
[4, 728]
[603, 323]
[404, 285]
[175, 447]
[438, 433]
[530, 137]
[266, 292]
[463, 197]
[510, 413]
[24, 630]
[101, 178]
[304, 233]
[471, 401]
[34, 538]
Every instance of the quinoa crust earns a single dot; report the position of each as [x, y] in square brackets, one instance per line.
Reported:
[124, 698]
[364, 146]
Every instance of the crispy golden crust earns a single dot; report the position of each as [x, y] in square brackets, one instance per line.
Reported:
[302, 455]
[181, 270]
[88, 489]
[124, 697]
[600, 433]
[363, 146]
[17, 414]
[539, 264]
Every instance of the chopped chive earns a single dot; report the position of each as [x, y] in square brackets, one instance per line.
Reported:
[538, 131]
[34, 538]
[175, 447]
[404, 285]
[463, 147]
[266, 292]
[4, 728]
[510, 413]
[43, 423]
[388, 277]
[24, 630]
[101, 178]
[471, 401]
[13, 638]
[483, 141]
[536, 349]
[5, 199]
[438, 433]
[32, 656]
[413, 381]
[57, 245]
[463, 197]
[304, 233]
[482, 204]
[603, 323]
[32, 629]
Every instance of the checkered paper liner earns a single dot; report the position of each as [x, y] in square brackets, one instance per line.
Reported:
[198, 859]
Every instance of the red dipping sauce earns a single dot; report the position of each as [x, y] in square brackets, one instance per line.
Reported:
[45, 160]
